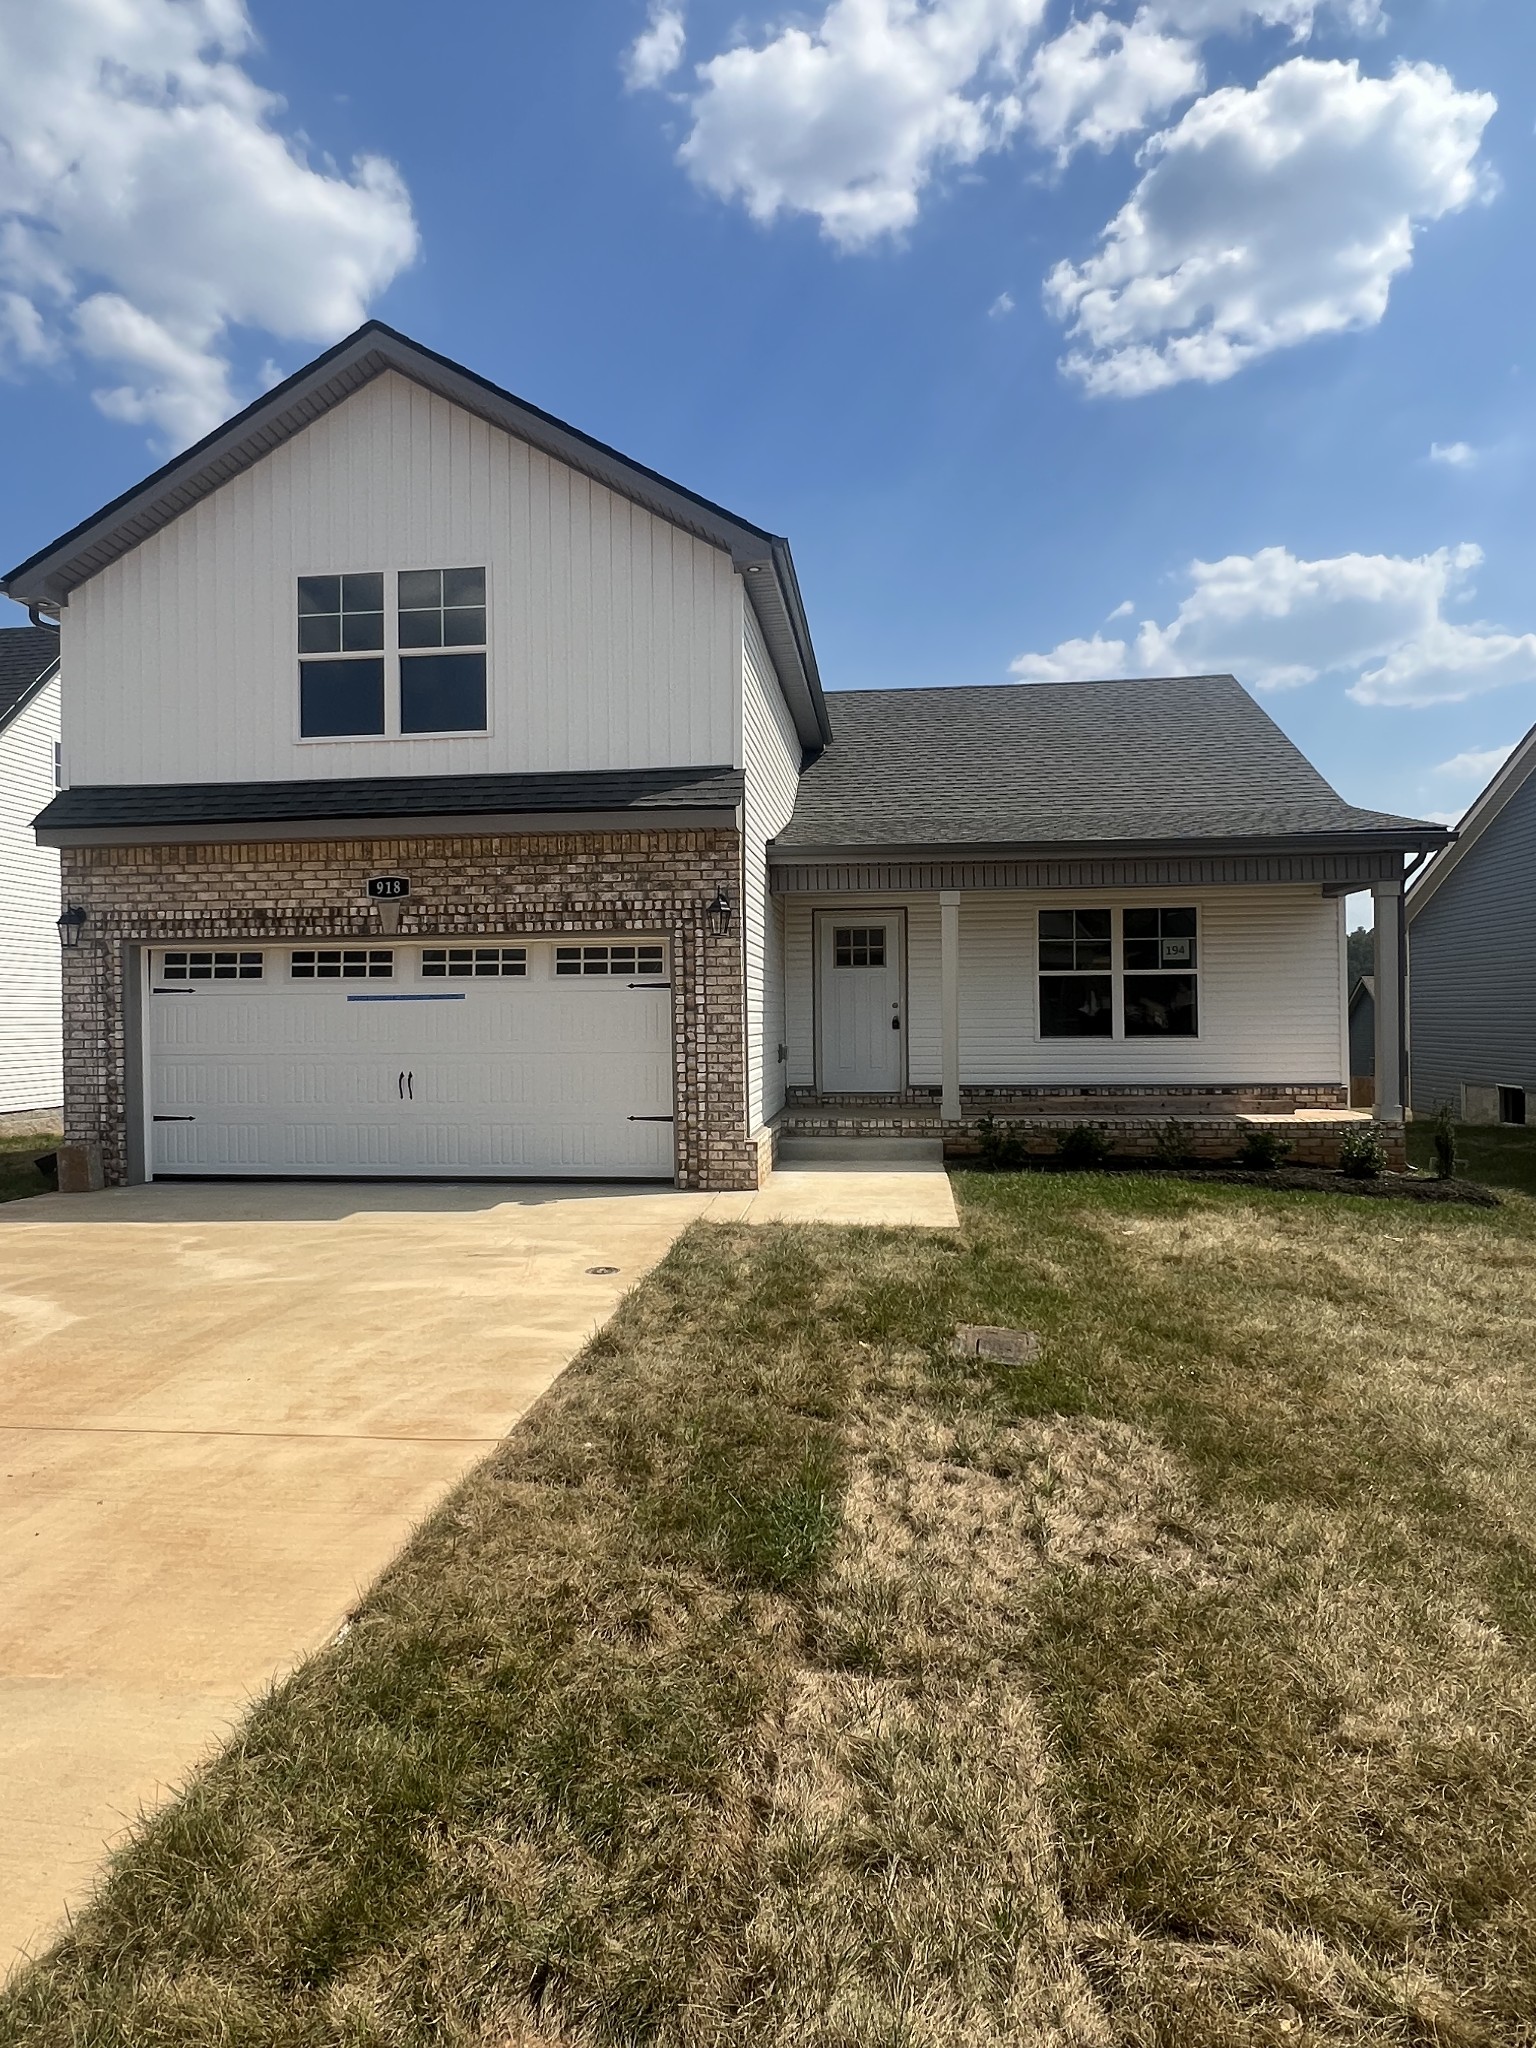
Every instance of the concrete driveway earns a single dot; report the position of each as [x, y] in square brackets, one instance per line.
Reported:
[222, 1410]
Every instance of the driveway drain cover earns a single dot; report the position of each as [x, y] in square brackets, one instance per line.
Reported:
[602, 1269]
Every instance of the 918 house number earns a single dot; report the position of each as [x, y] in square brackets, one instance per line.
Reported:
[388, 886]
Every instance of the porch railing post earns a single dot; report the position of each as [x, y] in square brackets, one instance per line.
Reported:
[949, 1003]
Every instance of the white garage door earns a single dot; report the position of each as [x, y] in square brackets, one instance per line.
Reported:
[477, 1058]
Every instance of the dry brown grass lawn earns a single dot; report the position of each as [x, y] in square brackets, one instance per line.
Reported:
[787, 1680]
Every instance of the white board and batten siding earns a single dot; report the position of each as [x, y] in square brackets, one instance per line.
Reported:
[1271, 994]
[613, 635]
[31, 1025]
[770, 755]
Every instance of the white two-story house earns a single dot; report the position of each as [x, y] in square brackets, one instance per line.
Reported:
[447, 794]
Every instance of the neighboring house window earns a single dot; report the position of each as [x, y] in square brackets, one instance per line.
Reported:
[1077, 983]
[58, 764]
[367, 670]
[1511, 1105]
[1161, 984]
[1158, 972]
[442, 609]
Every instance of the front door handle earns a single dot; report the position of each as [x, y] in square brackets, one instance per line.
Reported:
[895, 1023]
[400, 1077]
[410, 1085]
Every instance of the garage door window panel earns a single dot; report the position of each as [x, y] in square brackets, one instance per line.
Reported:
[341, 963]
[608, 961]
[210, 966]
[467, 963]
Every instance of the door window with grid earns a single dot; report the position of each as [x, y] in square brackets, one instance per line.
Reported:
[857, 945]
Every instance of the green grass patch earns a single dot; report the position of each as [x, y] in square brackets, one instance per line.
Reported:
[788, 1680]
[19, 1176]
[1499, 1156]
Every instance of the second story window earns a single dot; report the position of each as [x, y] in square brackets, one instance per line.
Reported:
[442, 609]
[381, 657]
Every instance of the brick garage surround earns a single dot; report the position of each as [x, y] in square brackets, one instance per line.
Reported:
[550, 885]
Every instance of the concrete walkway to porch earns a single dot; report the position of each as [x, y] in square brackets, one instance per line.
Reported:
[869, 1181]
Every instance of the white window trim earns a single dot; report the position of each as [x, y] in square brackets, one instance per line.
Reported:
[1117, 970]
[390, 655]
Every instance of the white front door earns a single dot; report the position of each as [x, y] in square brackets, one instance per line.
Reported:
[862, 1025]
[458, 1058]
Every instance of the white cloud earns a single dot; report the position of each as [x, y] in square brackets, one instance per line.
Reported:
[1477, 764]
[149, 205]
[658, 50]
[1001, 306]
[1267, 217]
[1101, 80]
[1454, 454]
[1277, 622]
[1215, 17]
[1445, 817]
[851, 119]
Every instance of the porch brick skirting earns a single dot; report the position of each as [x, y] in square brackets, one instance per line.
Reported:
[549, 884]
[1239, 1098]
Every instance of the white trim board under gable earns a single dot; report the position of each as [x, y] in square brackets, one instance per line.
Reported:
[1486, 808]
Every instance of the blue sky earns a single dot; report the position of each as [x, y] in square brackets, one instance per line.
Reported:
[1010, 313]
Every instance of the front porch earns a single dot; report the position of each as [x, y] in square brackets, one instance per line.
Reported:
[1213, 1124]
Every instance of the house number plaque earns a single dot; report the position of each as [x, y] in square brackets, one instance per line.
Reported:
[388, 888]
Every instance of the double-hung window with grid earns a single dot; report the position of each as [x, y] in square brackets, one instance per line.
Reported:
[383, 657]
[1151, 990]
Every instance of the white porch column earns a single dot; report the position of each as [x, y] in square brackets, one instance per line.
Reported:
[949, 1002]
[1389, 1000]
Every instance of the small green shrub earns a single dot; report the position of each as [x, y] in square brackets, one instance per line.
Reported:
[1263, 1150]
[1002, 1149]
[1173, 1144]
[1084, 1148]
[1445, 1143]
[1362, 1155]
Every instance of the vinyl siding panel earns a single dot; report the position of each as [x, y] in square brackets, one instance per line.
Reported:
[1472, 966]
[771, 763]
[613, 635]
[1271, 994]
[31, 1017]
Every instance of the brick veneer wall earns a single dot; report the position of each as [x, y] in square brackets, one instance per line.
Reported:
[550, 884]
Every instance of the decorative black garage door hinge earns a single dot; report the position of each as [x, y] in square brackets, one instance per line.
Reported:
[653, 1119]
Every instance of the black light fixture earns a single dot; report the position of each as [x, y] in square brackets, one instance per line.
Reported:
[717, 915]
[69, 927]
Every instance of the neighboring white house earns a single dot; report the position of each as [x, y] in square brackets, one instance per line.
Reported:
[31, 1029]
[450, 794]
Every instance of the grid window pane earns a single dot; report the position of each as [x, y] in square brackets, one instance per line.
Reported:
[211, 966]
[608, 960]
[1161, 1006]
[340, 698]
[463, 963]
[319, 594]
[341, 963]
[339, 613]
[1075, 941]
[464, 626]
[464, 586]
[421, 588]
[858, 945]
[1156, 940]
[1077, 1005]
[421, 629]
[442, 693]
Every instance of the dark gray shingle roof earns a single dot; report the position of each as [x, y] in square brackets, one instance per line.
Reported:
[1066, 764]
[26, 652]
[398, 796]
